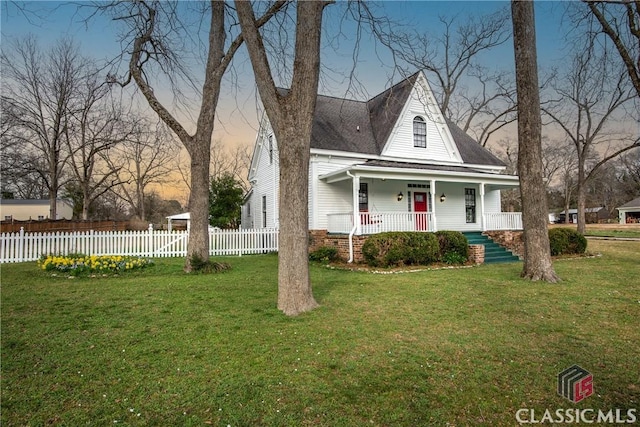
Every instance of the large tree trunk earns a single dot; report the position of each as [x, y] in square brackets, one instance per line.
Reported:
[291, 116]
[199, 203]
[537, 253]
[294, 285]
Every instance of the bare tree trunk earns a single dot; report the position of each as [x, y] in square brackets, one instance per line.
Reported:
[199, 202]
[53, 196]
[294, 284]
[291, 116]
[537, 253]
[150, 44]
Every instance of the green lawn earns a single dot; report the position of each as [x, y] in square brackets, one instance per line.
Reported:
[448, 347]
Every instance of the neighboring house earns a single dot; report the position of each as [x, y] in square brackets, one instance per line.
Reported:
[392, 163]
[629, 213]
[30, 209]
[592, 215]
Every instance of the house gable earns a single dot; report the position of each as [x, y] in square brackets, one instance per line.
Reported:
[420, 105]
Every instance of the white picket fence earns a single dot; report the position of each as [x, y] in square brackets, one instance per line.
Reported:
[22, 246]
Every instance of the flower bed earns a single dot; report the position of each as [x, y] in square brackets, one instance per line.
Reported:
[84, 264]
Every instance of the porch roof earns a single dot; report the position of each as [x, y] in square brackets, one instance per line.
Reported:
[385, 169]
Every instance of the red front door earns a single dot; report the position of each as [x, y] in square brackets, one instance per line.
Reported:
[420, 208]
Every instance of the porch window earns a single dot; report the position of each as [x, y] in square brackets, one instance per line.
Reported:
[419, 132]
[470, 204]
[363, 197]
[264, 211]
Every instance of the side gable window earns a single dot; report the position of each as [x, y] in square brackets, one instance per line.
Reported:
[419, 132]
[264, 211]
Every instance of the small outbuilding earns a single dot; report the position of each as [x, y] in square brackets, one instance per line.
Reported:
[183, 221]
[629, 213]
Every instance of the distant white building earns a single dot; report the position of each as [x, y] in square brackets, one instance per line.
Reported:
[33, 209]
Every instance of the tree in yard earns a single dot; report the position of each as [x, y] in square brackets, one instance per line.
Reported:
[629, 166]
[291, 116]
[593, 107]
[95, 125]
[225, 200]
[18, 178]
[537, 253]
[147, 157]
[155, 41]
[39, 90]
[479, 100]
[619, 22]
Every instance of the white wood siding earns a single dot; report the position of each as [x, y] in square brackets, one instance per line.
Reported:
[492, 201]
[266, 176]
[328, 198]
[451, 214]
[440, 146]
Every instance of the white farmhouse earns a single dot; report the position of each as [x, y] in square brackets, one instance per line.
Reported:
[392, 163]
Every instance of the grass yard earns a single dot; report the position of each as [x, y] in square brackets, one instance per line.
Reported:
[448, 347]
[608, 230]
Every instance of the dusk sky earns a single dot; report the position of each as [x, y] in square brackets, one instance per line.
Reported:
[238, 115]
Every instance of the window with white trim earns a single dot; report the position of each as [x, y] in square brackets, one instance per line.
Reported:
[419, 132]
[470, 204]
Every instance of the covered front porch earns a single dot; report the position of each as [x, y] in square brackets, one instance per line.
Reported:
[374, 199]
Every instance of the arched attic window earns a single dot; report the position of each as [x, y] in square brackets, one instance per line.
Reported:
[419, 132]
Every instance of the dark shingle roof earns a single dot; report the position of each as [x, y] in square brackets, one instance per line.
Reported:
[385, 109]
[635, 203]
[470, 150]
[343, 125]
[364, 127]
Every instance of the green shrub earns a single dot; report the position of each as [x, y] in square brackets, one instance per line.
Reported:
[452, 258]
[400, 248]
[324, 254]
[454, 247]
[563, 241]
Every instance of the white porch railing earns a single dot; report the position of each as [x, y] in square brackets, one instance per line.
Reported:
[379, 222]
[21, 246]
[503, 221]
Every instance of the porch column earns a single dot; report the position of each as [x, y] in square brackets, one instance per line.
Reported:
[432, 185]
[483, 225]
[356, 203]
